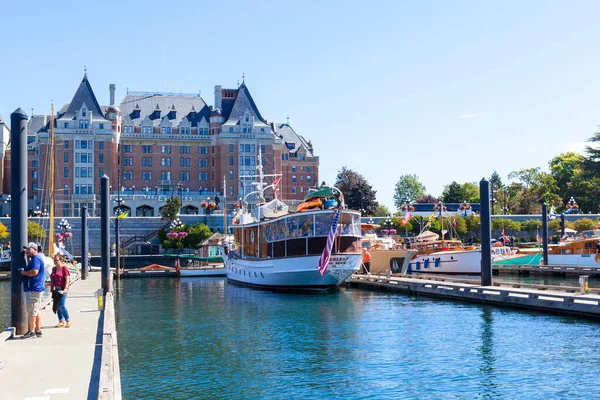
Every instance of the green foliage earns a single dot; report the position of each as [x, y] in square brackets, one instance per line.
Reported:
[171, 208]
[382, 211]
[357, 192]
[554, 225]
[427, 199]
[3, 231]
[473, 224]
[506, 224]
[408, 189]
[531, 225]
[584, 224]
[197, 234]
[457, 193]
[35, 231]
[461, 226]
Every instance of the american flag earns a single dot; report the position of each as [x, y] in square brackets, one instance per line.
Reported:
[324, 260]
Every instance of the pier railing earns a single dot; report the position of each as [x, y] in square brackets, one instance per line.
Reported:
[109, 387]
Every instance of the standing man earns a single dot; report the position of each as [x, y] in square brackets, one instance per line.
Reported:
[33, 286]
[366, 261]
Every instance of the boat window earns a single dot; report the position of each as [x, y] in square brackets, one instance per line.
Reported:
[292, 227]
[323, 223]
[305, 225]
[280, 232]
[267, 232]
[350, 224]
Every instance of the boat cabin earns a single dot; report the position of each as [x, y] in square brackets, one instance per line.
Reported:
[298, 234]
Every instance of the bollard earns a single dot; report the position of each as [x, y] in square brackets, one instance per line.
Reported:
[100, 296]
[583, 284]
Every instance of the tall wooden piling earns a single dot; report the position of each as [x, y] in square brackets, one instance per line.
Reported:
[84, 243]
[486, 233]
[105, 232]
[18, 219]
[545, 233]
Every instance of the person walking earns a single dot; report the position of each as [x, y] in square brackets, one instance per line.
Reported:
[366, 261]
[59, 285]
[33, 286]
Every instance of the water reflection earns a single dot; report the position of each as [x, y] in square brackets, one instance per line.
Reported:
[487, 368]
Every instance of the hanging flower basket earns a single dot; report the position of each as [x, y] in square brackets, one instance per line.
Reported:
[392, 231]
[385, 231]
[236, 205]
[204, 204]
[182, 235]
[438, 208]
[68, 235]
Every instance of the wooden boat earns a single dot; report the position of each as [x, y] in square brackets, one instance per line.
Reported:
[187, 265]
[386, 254]
[582, 251]
[284, 252]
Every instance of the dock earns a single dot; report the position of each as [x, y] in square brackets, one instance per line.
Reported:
[554, 299]
[80, 362]
[563, 270]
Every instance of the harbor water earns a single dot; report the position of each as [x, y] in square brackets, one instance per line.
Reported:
[206, 338]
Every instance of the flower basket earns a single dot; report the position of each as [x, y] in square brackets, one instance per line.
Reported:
[204, 204]
[385, 231]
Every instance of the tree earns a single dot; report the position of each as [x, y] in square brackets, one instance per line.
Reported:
[382, 211]
[584, 224]
[427, 199]
[197, 234]
[408, 188]
[531, 225]
[35, 231]
[457, 193]
[171, 208]
[506, 224]
[564, 168]
[358, 194]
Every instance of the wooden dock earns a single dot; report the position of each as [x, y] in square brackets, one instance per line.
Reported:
[563, 270]
[554, 299]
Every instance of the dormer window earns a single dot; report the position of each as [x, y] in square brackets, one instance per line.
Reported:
[83, 112]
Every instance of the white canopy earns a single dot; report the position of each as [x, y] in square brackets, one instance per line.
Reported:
[428, 235]
[569, 230]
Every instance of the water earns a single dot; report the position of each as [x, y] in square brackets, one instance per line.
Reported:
[205, 338]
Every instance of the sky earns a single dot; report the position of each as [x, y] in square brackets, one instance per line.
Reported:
[446, 90]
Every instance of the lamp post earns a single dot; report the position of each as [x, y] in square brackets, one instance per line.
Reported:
[175, 224]
[64, 227]
[464, 207]
[388, 223]
[492, 199]
[505, 208]
[7, 201]
[572, 207]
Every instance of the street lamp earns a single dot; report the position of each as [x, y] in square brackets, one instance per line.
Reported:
[464, 207]
[492, 199]
[388, 223]
[65, 227]
[572, 207]
[175, 224]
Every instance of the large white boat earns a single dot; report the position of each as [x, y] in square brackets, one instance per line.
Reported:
[282, 250]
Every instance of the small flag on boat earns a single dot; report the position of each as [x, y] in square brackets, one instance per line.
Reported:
[406, 218]
[123, 215]
[324, 260]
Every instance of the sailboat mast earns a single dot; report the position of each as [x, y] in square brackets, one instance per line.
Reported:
[224, 207]
[51, 196]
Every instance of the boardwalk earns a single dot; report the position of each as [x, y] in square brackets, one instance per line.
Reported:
[63, 364]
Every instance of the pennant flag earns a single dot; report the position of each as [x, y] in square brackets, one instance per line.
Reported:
[324, 260]
[123, 215]
[406, 218]
[275, 183]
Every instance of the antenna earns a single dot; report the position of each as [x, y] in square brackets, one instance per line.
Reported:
[164, 66]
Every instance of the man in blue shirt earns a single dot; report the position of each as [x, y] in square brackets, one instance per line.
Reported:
[33, 286]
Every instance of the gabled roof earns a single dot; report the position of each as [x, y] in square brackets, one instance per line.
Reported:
[184, 106]
[1, 120]
[290, 137]
[83, 95]
[233, 110]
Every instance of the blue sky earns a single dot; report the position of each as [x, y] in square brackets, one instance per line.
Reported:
[445, 90]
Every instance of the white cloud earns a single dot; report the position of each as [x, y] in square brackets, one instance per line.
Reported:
[472, 115]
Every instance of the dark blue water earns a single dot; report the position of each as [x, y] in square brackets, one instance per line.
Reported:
[207, 339]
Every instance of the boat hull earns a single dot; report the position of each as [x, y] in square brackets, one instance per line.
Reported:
[292, 272]
[384, 260]
[190, 272]
[448, 262]
[579, 260]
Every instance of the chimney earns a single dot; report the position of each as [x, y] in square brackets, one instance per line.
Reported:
[112, 88]
[218, 97]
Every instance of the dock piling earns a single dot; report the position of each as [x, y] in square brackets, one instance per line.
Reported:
[486, 233]
[18, 219]
[545, 233]
[105, 232]
[84, 243]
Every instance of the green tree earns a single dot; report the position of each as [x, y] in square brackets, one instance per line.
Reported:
[35, 232]
[408, 189]
[171, 208]
[427, 199]
[506, 224]
[473, 224]
[564, 169]
[197, 234]
[357, 191]
[531, 225]
[457, 193]
[382, 211]
[584, 224]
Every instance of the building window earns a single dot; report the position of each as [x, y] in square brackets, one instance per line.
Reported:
[66, 172]
[206, 162]
[293, 168]
[230, 129]
[181, 176]
[230, 160]
[66, 125]
[66, 190]
[206, 176]
[76, 172]
[307, 169]
[33, 174]
[163, 162]
[125, 161]
[293, 189]
[149, 161]
[200, 176]
[130, 175]
[100, 172]
[262, 148]
[187, 162]
[84, 144]
[187, 149]
[181, 149]
[34, 163]
[101, 145]
[308, 179]
[247, 148]
[294, 178]
[143, 148]
[77, 144]
[143, 175]
[181, 161]
[143, 161]
[66, 144]
[230, 175]
[101, 126]
[100, 158]
[149, 175]
[231, 148]
[149, 148]
[66, 157]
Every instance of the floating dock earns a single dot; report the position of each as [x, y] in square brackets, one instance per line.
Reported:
[563, 270]
[536, 297]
